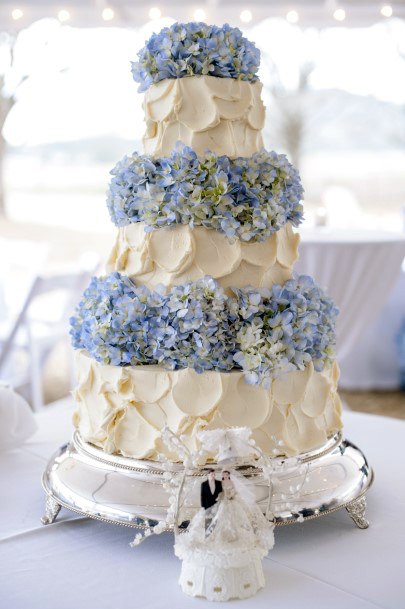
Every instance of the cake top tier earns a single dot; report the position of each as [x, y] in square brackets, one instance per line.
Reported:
[189, 49]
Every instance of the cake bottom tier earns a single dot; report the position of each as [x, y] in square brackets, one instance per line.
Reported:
[123, 409]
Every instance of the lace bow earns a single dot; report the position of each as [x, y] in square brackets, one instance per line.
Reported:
[233, 443]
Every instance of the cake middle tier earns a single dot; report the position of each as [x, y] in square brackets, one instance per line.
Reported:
[223, 115]
[178, 254]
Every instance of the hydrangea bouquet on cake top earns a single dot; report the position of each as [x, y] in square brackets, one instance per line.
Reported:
[187, 49]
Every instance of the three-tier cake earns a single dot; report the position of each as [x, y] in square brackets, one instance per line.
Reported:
[199, 322]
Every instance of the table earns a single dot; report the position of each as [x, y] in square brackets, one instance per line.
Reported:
[77, 563]
[358, 269]
[373, 362]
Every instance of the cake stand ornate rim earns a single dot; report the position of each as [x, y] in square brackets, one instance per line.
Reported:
[85, 480]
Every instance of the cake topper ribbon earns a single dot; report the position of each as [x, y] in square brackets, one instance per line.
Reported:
[227, 444]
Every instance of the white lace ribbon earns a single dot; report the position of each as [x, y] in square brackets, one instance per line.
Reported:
[227, 444]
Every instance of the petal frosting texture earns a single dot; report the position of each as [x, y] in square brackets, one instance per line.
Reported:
[176, 255]
[123, 409]
[223, 115]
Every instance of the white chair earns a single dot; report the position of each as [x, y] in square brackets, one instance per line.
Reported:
[40, 325]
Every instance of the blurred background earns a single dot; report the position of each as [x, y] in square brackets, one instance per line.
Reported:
[333, 77]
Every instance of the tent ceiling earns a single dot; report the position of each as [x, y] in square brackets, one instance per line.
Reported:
[133, 13]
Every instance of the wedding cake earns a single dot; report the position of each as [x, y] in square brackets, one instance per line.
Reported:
[199, 322]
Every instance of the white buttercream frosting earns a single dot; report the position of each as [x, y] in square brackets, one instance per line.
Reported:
[223, 115]
[123, 409]
[175, 255]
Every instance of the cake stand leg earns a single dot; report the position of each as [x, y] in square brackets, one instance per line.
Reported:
[52, 509]
[357, 511]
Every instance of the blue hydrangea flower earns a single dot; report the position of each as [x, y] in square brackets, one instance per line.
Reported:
[244, 198]
[265, 332]
[186, 49]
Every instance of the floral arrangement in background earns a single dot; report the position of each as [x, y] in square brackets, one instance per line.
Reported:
[245, 198]
[264, 332]
[187, 49]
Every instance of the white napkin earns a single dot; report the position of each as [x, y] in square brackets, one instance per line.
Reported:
[17, 421]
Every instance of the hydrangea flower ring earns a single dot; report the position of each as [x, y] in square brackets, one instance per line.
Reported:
[245, 198]
[265, 332]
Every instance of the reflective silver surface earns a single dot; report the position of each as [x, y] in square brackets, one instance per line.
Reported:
[130, 492]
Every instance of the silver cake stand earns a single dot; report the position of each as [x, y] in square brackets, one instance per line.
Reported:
[129, 492]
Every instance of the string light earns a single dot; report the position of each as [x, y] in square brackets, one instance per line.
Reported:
[199, 15]
[155, 13]
[107, 14]
[386, 11]
[339, 14]
[246, 16]
[292, 17]
[16, 14]
[63, 15]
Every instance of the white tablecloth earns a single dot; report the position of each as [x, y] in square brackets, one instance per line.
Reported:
[78, 563]
[374, 362]
[359, 271]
